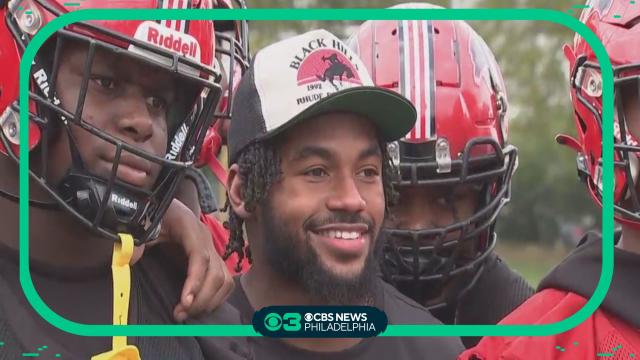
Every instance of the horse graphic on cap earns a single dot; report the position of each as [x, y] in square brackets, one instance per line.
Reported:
[328, 65]
[336, 68]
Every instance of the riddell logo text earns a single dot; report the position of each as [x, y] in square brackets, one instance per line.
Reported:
[124, 202]
[185, 47]
[167, 38]
[177, 142]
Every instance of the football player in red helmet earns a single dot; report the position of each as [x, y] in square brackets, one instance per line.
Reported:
[232, 56]
[613, 328]
[455, 168]
[308, 191]
[117, 113]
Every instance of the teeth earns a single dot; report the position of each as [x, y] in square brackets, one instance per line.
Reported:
[348, 235]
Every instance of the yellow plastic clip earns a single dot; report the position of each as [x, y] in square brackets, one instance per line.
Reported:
[122, 252]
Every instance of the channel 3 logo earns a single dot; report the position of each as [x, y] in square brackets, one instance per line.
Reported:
[288, 322]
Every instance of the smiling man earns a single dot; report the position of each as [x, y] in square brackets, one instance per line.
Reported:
[310, 183]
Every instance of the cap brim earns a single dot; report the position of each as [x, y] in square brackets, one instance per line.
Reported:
[392, 114]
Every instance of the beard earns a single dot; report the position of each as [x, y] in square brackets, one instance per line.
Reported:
[296, 261]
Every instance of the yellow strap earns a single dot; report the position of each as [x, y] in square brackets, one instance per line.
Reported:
[128, 352]
[122, 252]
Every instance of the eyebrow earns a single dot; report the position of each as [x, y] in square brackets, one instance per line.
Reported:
[312, 151]
[327, 155]
[371, 151]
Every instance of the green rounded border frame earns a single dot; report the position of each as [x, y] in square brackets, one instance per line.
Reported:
[321, 14]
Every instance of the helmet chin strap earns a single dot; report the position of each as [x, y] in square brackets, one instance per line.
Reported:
[122, 211]
[115, 208]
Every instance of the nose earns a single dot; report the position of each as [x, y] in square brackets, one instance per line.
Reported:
[135, 122]
[346, 196]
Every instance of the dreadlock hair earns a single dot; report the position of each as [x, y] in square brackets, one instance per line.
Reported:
[259, 168]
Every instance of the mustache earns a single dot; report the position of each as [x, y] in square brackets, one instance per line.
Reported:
[334, 217]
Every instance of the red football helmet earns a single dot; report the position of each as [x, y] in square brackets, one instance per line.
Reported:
[232, 58]
[460, 137]
[184, 48]
[620, 36]
[232, 54]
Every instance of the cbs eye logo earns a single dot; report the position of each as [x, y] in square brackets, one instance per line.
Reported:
[288, 322]
[273, 322]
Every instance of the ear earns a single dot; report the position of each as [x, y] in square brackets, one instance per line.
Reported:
[234, 192]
